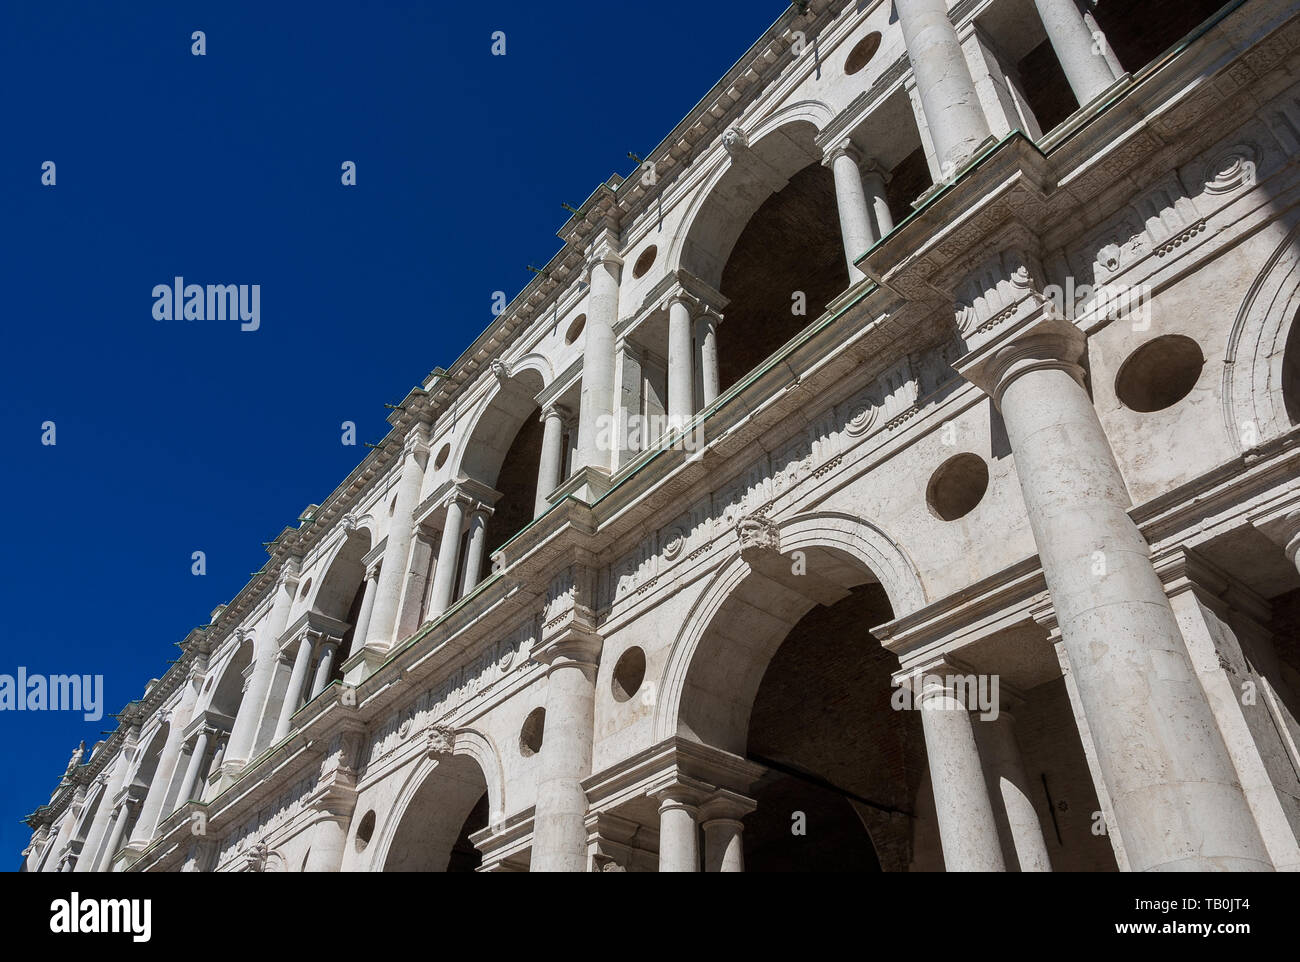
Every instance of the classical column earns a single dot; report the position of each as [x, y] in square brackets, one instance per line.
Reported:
[560, 832]
[103, 814]
[874, 181]
[120, 819]
[444, 576]
[327, 648]
[678, 836]
[388, 593]
[367, 607]
[293, 692]
[193, 770]
[595, 416]
[967, 829]
[720, 817]
[706, 337]
[551, 466]
[165, 770]
[67, 826]
[855, 218]
[1009, 791]
[681, 365]
[1293, 542]
[948, 98]
[1081, 55]
[1176, 795]
[477, 544]
[266, 658]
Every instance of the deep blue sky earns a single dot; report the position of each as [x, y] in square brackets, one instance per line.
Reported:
[179, 436]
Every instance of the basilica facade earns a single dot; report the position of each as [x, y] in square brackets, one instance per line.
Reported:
[898, 470]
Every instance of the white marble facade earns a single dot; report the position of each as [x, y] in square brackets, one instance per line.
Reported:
[1053, 417]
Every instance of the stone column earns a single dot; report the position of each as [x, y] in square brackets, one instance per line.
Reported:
[444, 576]
[678, 836]
[478, 519]
[1293, 542]
[874, 181]
[165, 771]
[121, 817]
[388, 593]
[104, 814]
[293, 691]
[192, 770]
[967, 828]
[1175, 793]
[855, 217]
[1081, 54]
[595, 416]
[266, 658]
[367, 608]
[328, 648]
[551, 466]
[1009, 791]
[67, 828]
[706, 337]
[720, 816]
[681, 366]
[560, 832]
[948, 98]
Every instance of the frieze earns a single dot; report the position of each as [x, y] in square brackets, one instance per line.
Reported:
[885, 404]
[469, 679]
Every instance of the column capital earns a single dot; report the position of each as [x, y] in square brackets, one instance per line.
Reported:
[844, 147]
[417, 440]
[1045, 341]
[726, 807]
[1292, 547]
[604, 251]
[681, 792]
[558, 411]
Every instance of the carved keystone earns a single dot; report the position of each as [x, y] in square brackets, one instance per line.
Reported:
[758, 536]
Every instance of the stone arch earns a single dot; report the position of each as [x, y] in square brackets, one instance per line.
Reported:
[434, 801]
[1261, 364]
[849, 548]
[344, 572]
[228, 687]
[734, 190]
[482, 447]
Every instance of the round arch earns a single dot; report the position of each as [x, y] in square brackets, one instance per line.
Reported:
[442, 790]
[1260, 365]
[481, 449]
[344, 572]
[228, 688]
[852, 546]
[782, 144]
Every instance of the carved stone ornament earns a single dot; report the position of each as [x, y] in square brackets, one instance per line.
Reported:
[734, 141]
[440, 741]
[757, 534]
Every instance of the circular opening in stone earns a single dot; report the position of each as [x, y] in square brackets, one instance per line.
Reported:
[861, 54]
[530, 736]
[306, 587]
[1159, 374]
[441, 459]
[366, 830]
[957, 486]
[575, 329]
[645, 261]
[629, 672]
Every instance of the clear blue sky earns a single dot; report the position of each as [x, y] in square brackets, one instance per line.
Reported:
[179, 436]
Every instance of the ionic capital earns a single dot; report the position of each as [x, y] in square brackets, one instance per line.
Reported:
[842, 148]
[556, 411]
[1046, 342]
